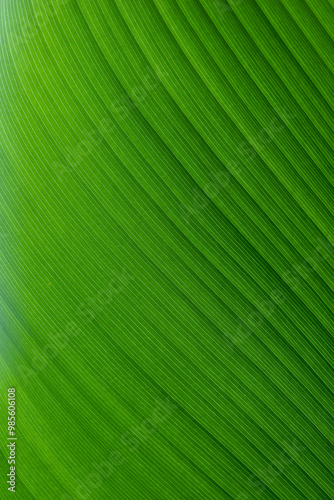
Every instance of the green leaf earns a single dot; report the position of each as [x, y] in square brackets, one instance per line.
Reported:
[167, 248]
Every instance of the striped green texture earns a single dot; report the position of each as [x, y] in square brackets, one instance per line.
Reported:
[167, 248]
